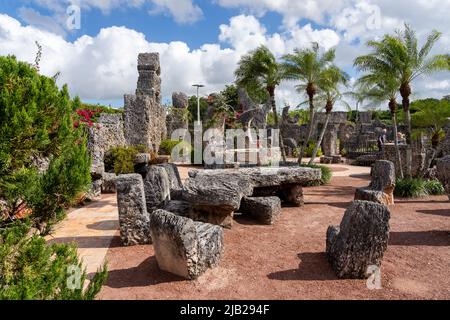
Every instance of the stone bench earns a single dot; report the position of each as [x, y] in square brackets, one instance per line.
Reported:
[382, 185]
[184, 247]
[360, 241]
[218, 193]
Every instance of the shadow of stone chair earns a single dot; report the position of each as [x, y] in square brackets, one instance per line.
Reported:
[381, 188]
[185, 247]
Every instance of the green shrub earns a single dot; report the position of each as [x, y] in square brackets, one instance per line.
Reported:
[310, 149]
[167, 146]
[36, 123]
[121, 159]
[434, 188]
[30, 269]
[410, 188]
[327, 174]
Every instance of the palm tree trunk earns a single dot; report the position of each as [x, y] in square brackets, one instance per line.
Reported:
[310, 129]
[319, 141]
[405, 91]
[397, 149]
[277, 124]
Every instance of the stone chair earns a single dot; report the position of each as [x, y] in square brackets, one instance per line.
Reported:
[381, 188]
[359, 243]
[185, 247]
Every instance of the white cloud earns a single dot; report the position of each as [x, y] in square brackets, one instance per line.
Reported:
[292, 11]
[104, 67]
[183, 11]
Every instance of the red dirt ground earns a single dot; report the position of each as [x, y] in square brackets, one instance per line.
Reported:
[287, 260]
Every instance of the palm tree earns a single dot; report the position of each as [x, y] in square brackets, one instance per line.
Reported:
[359, 95]
[306, 65]
[259, 69]
[399, 56]
[328, 82]
[381, 88]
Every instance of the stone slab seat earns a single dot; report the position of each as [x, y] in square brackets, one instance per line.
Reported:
[382, 185]
[266, 210]
[184, 247]
[360, 241]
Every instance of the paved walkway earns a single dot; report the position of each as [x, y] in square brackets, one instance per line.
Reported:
[93, 227]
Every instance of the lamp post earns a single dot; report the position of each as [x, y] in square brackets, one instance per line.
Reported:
[198, 86]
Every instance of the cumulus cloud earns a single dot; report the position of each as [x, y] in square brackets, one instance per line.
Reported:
[183, 11]
[104, 67]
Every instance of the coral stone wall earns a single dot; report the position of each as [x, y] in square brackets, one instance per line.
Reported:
[106, 134]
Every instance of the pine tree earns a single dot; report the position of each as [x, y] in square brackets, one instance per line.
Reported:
[36, 126]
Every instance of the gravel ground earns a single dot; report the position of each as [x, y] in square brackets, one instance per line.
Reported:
[287, 260]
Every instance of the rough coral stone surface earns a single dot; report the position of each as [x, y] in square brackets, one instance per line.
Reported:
[145, 121]
[133, 216]
[107, 134]
[109, 183]
[382, 185]
[157, 187]
[443, 173]
[265, 210]
[180, 100]
[217, 194]
[360, 241]
[184, 247]
[176, 186]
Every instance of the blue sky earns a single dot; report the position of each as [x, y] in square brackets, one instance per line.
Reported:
[98, 60]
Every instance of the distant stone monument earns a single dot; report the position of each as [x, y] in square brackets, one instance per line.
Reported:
[145, 118]
[180, 100]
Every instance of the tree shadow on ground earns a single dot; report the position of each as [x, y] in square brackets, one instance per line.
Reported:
[437, 212]
[145, 274]
[104, 225]
[314, 266]
[437, 238]
[88, 242]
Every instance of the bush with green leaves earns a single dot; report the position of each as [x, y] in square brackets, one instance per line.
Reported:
[327, 174]
[416, 187]
[31, 269]
[121, 159]
[434, 188]
[410, 188]
[310, 149]
[44, 163]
